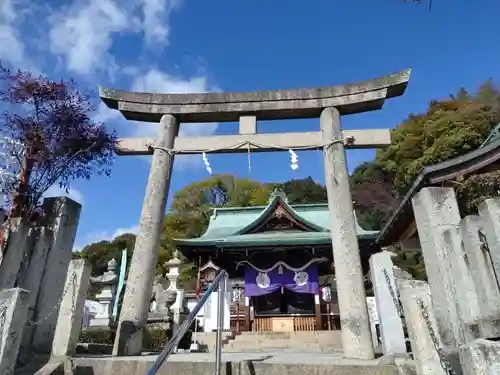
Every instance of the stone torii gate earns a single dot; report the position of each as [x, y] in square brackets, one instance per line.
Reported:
[327, 103]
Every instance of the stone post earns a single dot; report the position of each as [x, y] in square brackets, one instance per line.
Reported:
[13, 310]
[139, 285]
[374, 320]
[480, 265]
[480, 357]
[435, 211]
[69, 320]
[355, 324]
[489, 211]
[33, 279]
[63, 215]
[3, 233]
[412, 294]
[106, 283]
[15, 250]
[462, 281]
[391, 326]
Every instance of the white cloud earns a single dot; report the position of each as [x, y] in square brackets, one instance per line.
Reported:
[12, 48]
[7, 11]
[154, 14]
[104, 236]
[156, 81]
[56, 191]
[84, 32]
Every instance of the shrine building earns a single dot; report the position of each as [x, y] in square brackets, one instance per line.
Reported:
[280, 264]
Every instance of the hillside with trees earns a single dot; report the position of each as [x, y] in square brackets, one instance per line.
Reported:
[449, 127]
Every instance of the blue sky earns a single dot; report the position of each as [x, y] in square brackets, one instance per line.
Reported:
[195, 45]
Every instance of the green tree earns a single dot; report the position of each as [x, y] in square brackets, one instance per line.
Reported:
[448, 128]
[412, 262]
[98, 254]
[374, 195]
[303, 191]
[191, 208]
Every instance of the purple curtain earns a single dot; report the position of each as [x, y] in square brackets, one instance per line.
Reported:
[260, 283]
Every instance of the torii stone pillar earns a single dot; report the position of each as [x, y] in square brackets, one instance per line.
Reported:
[140, 279]
[356, 336]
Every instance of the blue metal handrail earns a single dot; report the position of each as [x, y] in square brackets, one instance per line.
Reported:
[219, 282]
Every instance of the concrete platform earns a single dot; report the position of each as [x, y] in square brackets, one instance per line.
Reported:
[271, 363]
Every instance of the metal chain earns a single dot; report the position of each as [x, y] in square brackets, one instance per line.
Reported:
[54, 309]
[486, 249]
[445, 364]
[3, 318]
[395, 299]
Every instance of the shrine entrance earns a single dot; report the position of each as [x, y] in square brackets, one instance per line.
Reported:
[284, 311]
[282, 296]
[327, 103]
[283, 302]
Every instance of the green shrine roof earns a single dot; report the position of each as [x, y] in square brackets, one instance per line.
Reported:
[239, 226]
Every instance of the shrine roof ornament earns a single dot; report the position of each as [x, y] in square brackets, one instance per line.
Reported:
[277, 192]
[351, 98]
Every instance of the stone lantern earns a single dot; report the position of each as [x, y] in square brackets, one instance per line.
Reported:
[173, 274]
[106, 284]
[167, 296]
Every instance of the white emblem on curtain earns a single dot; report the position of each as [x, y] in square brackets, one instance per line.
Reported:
[301, 278]
[263, 280]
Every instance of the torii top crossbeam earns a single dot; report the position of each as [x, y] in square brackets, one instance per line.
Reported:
[264, 105]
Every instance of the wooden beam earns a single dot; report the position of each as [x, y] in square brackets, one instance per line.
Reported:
[370, 138]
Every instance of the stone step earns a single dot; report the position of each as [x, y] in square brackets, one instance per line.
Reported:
[328, 338]
[210, 338]
[276, 343]
[310, 341]
[235, 363]
[266, 339]
[287, 349]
